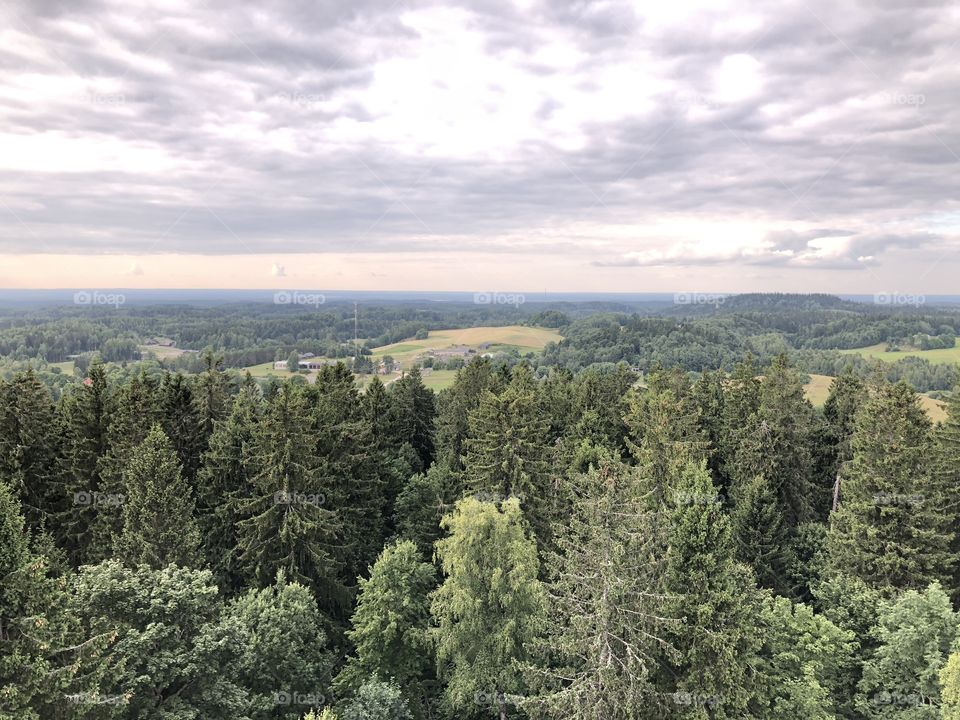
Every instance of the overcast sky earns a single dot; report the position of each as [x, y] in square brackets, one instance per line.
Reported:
[524, 145]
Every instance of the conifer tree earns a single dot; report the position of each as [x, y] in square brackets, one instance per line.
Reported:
[455, 406]
[759, 537]
[224, 483]
[159, 527]
[31, 449]
[710, 674]
[288, 523]
[180, 422]
[489, 608]
[133, 411]
[412, 413]
[889, 529]
[86, 421]
[211, 397]
[604, 624]
[946, 477]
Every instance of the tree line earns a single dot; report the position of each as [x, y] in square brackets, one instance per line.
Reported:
[579, 545]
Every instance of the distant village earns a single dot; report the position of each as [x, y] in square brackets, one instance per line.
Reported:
[309, 361]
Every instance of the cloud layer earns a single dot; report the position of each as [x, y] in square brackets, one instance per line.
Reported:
[809, 135]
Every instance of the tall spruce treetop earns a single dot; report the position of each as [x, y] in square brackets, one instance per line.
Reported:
[159, 527]
[779, 445]
[710, 673]
[890, 529]
[604, 625]
[31, 448]
[288, 523]
[457, 403]
[413, 410]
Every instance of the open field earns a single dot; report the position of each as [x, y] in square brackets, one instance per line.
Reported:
[440, 379]
[163, 352]
[524, 339]
[878, 352]
[818, 389]
[65, 367]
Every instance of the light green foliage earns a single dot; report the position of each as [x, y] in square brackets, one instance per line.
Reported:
[376, 700]
[490, 605]
[914, 635]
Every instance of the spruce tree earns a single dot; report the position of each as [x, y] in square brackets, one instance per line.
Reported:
[759, 537]
[288, 522]
[710, 673]
[890, 529]
[181, 423]
[31, 449]
[604, 623]
[86, 421]
[412, 414]
[159, 527]
[224, 484]
[455, 405]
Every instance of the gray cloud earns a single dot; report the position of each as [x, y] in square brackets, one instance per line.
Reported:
[272, 128]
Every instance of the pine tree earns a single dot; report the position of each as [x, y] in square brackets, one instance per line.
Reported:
[946, 477]
[890, 530]
[604, 623]
[210, 396]
[390, 624]
[741, 400]
[159, 527]
[489, 607]
[710, 673]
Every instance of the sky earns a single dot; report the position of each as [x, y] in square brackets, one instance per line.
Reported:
[494, 145]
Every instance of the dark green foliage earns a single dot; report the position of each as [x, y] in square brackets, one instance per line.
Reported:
[159, 527]
[890, 529]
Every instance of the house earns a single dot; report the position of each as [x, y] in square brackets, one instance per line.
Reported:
[383, 369]
[456, 351]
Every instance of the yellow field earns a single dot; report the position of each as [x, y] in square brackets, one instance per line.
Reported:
[524, 339]
[162, 352]
[818, 389]
[878, 352]
[440, 379]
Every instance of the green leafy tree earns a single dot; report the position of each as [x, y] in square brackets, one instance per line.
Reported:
[377, 700]
[489, 607]
[159, 527]
[285, 647]
[170, 656]
[390, 625]
[806, 661]
[914, 635]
